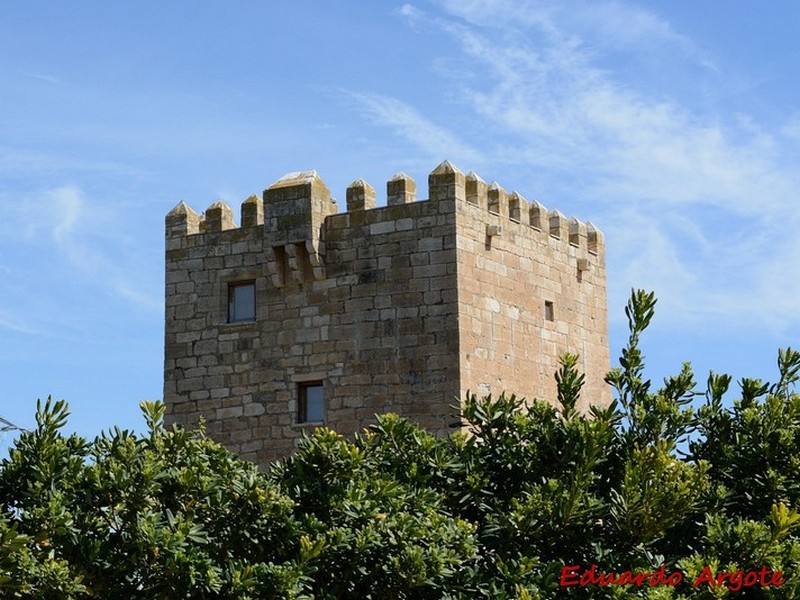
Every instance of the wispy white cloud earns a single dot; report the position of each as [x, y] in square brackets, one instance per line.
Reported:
[657, 264]
[791, 129]
[696, 205]
[17, 323]
[60, 223]
[625, 24]
[42, 77]
[598, 27]
[411, 13]
[647, 149]
[407, 122]
[16, 161]
[68, 206]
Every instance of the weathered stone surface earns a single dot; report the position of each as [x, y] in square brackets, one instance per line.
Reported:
[400, 189]
[403, 307]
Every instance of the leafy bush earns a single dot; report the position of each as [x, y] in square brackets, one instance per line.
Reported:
[165, 515]
[665, 481]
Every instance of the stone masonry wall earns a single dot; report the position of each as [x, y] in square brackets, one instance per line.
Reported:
[513, 257]
[399, 308]
[377, 324]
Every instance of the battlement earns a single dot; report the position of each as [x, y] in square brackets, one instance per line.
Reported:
[303, 314]
[295, 208]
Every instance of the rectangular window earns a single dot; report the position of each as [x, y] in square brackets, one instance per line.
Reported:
[310, 402]
[549, 311]
[242, 302]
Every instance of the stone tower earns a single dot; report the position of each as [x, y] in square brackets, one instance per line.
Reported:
[305, 315]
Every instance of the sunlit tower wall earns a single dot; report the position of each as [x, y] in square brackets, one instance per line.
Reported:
[303, 315]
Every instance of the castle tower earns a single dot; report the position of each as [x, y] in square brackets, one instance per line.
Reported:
[304, 315]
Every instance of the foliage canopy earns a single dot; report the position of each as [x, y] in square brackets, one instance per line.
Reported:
[671, 476]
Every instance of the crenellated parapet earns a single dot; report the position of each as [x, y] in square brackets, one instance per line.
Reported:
[497, 199]
[400, 189]
[219, 217]
[515, 204]
[517, 209]
[360, 196]
[252, 212]
[476, 190]
[446, 181]
[291, 212]
[182, 220]
[295, 209]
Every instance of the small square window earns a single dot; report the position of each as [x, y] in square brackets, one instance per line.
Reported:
[549, 311]
[242, 302]
[310, 402]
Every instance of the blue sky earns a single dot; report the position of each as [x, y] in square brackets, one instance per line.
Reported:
[674, 127]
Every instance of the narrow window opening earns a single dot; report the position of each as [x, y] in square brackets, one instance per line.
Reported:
[242, 302]
[549, 311]
[310, 402]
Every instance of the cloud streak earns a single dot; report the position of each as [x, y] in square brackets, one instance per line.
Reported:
[47, 78]
[697, 205]
[16, 161]
[69, 206]
[410, 124]
[64, 231]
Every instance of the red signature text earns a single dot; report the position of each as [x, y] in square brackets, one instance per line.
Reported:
[573, 575]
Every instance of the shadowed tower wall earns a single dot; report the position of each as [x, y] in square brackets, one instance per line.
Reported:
[397, 308]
